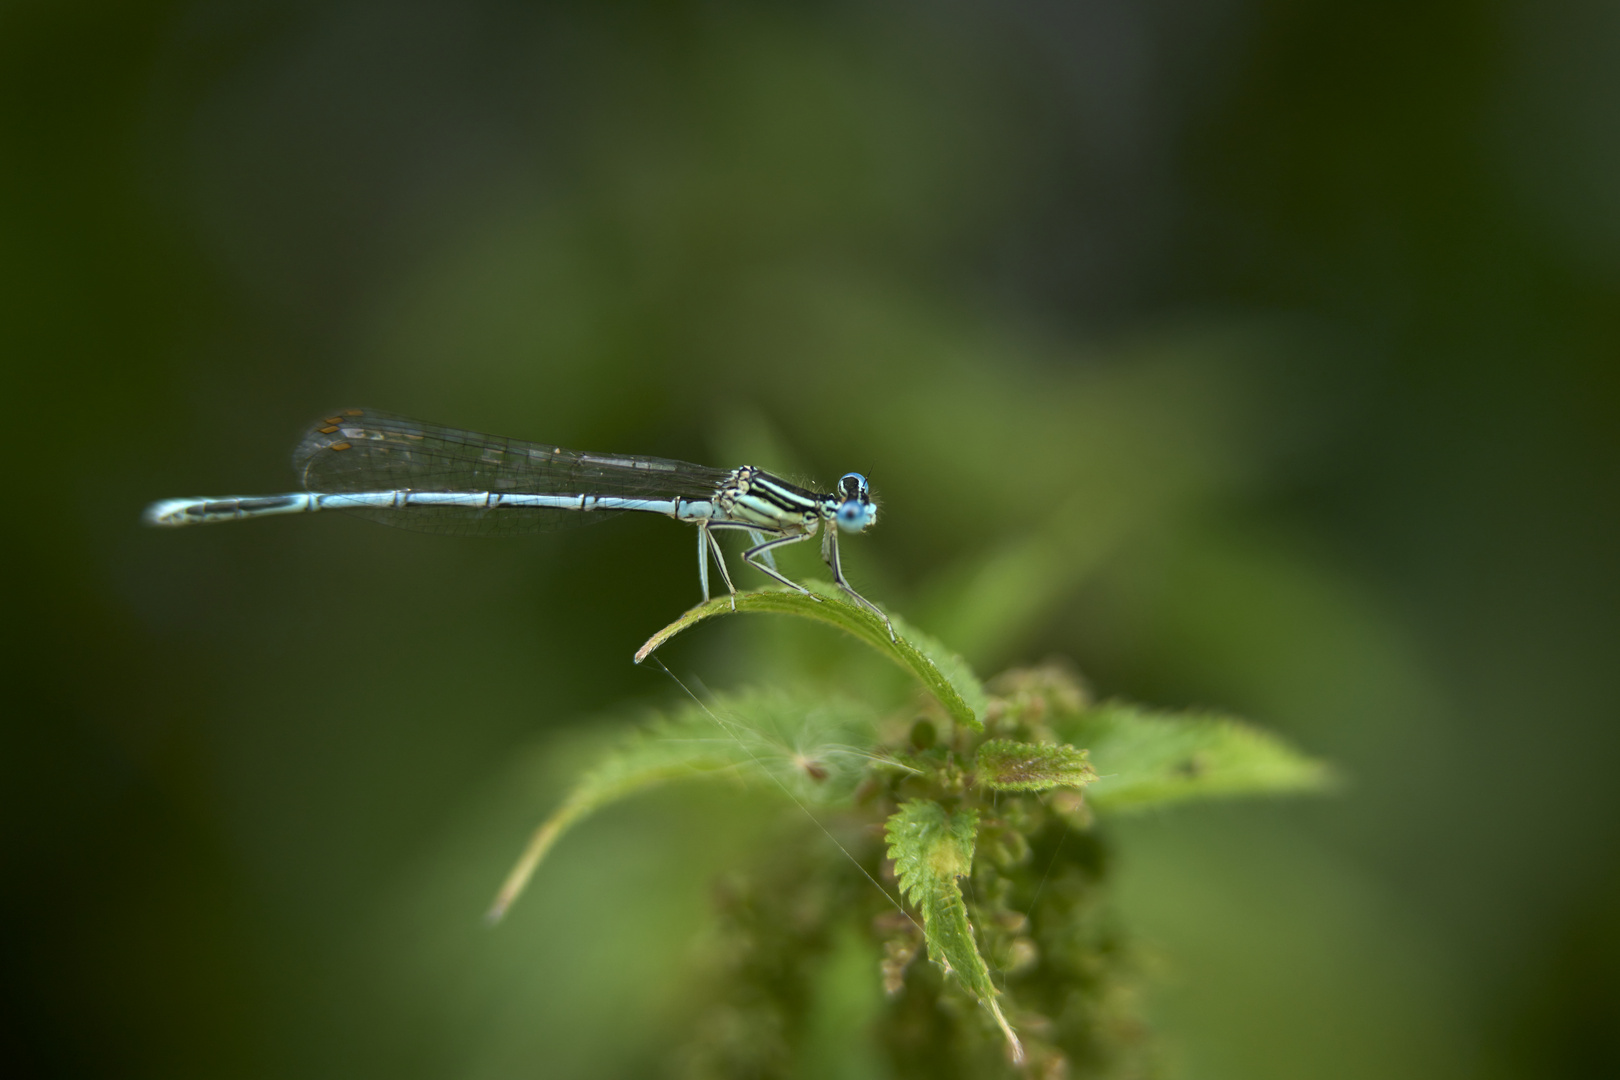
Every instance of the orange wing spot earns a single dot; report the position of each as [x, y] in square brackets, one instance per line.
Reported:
[354, 412]
[327, 430]
[338, 446]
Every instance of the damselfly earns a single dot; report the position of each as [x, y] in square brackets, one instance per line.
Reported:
[437, 479]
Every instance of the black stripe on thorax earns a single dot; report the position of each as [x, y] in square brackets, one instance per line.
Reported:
[789, 498]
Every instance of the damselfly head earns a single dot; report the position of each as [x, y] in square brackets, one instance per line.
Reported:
[858, 511]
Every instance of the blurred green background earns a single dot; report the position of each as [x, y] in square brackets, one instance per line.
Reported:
[1254, 355]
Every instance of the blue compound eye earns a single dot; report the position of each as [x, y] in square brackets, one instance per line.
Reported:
[856, 512]
[856, 515]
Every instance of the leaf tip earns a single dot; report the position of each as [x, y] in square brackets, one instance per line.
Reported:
[518, 879]
[1015, 1048]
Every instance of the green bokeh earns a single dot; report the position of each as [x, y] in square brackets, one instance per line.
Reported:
[1258, 357]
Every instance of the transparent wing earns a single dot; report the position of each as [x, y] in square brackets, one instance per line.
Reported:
[364, 450]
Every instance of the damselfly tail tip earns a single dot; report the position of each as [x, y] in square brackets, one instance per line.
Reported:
[168, 512]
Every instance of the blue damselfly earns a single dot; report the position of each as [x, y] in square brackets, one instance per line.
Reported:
[437, 479]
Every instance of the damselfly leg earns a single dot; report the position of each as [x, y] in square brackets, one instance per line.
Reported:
[707, 542]
[704, 530]
[759, 538]
[703, 560]
[829, 554]
[753, 554]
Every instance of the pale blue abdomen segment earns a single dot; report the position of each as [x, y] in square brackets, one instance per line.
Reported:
[489, 507]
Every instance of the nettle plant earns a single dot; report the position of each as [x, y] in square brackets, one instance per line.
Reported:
[963, 828]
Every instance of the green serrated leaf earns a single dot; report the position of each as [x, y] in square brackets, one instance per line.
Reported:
[931, 849]
[1147, 758]
[815, 749]
[945, 675]
[1005, 765]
